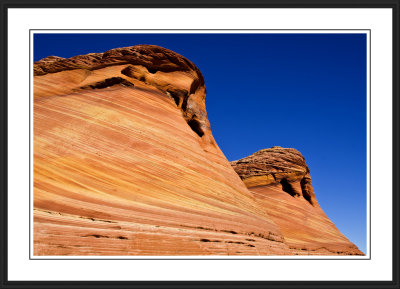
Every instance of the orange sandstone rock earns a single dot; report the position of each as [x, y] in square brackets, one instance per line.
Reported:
[125, 162]
[280, 181]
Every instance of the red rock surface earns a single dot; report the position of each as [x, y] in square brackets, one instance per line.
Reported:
[279, 179]
[125, 162]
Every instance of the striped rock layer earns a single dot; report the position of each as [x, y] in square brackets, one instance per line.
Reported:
[125, 164]
[280, 181]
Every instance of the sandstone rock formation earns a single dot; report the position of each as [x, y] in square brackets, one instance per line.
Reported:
[125, 164]
[280, 181]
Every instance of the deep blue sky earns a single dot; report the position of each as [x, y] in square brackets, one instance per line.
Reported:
[305, 91]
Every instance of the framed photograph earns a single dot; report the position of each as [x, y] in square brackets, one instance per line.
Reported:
[176, 145]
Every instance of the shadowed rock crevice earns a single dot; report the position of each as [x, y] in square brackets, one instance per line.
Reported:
[196, 127]
[288, 188]
[306, 189]
[175, 97]
[179, 96]
[152, 70]
[184, 103]
[195, 85]
[108, 82]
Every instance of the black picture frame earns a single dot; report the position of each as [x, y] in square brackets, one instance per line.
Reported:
[5, 5]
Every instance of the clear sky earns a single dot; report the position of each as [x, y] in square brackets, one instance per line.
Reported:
[304, 91]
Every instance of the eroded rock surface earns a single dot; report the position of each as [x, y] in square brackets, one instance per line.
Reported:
[152, 65]
[277, 165]
[279, 179]
[125, 162]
